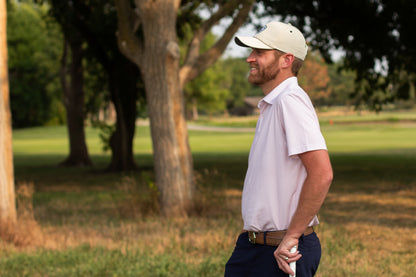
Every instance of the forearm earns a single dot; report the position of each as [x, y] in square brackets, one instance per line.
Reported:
[312, 195]
[314, 191]
[310, 201]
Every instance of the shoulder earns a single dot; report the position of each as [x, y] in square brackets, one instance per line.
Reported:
[293, 95]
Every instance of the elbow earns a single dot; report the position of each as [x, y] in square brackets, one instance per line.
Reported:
[325, 177]
[328, 177]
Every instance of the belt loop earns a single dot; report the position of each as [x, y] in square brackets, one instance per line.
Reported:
[264, 237]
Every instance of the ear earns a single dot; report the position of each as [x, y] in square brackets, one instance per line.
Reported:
[287, 60]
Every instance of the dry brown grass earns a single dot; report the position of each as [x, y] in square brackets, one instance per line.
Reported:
[360, 232]
[26, 231]
[141, 199]
[140, 225]
[373, 233]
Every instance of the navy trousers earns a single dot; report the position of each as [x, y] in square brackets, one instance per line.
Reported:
[254, 260]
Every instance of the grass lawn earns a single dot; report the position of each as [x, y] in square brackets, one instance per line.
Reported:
[84, 222]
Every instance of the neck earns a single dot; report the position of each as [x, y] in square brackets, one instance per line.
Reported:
[269, 86]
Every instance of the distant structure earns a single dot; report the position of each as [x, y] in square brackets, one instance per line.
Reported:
[249, 108]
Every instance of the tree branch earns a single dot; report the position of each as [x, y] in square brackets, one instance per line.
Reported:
[195, 63]
[194, 45]
[128, 22]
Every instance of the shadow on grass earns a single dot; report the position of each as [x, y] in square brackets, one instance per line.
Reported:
[388, 171]
[364, 180]
[395, 209]
[378, 189]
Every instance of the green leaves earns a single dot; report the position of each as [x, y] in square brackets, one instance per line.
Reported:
[34, 46]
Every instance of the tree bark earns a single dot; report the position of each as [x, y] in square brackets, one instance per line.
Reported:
[156, 53]
[78, 20]
[123, 89]
[7, 193]
[74, 104]
[173, 160]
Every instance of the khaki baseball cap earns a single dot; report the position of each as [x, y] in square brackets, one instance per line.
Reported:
[277, 35]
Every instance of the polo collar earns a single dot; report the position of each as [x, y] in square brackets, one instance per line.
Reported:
[277, 90]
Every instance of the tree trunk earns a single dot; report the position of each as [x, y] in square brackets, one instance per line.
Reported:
[156, 52]
[160, 68]
[195, 115]
[123, 88]
[7, 193]
[74, 104]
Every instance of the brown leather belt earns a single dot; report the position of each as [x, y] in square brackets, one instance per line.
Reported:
[271, 238]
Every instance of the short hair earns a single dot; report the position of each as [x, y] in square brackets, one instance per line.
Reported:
[296, 65]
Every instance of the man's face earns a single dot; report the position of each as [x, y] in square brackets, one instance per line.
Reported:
[264, 66]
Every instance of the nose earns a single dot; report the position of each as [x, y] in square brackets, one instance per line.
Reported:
[251, 57]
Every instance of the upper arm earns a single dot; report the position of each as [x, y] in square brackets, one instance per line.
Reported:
[317, 164]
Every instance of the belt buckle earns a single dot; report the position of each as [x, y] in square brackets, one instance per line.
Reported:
[252, 237]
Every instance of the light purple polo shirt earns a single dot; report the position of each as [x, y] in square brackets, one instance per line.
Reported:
[287, 126]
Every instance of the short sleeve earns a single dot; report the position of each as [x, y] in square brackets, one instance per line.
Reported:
[301, 124]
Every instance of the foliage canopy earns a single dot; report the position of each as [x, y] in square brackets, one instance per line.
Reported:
[34, 44]
[375, 34]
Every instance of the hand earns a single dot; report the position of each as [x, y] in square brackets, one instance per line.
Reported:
[283, 255]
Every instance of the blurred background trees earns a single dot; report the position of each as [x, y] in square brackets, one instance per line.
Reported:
[36, 56]
[66, 67]
[376, 37]
[35, 47]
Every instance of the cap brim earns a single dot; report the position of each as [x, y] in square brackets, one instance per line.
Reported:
[251, 42]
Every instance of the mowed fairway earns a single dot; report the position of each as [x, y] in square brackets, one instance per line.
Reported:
[369, 218]
[90, 223]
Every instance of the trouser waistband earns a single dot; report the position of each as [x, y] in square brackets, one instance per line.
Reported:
[272, 238]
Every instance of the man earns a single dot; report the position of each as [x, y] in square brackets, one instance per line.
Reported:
[289, 171]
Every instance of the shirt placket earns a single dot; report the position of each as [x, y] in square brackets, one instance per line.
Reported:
[262, 106]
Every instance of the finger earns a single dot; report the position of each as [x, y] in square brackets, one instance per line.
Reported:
[291, 259]
[283, 262]
[295, 256]
[290, 272]
[283, 265]
[288, 255]
[283, 257]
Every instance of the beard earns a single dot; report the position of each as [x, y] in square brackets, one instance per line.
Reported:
[263, 75]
